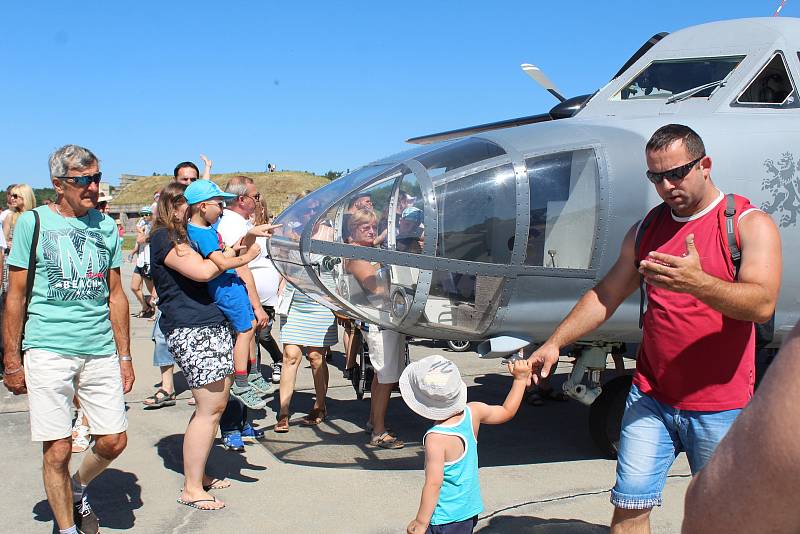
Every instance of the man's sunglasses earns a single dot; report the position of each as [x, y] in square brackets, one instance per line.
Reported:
[84, 180]
[673, 175]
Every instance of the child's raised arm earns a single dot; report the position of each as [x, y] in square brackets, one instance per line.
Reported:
[224, 263]
[434, 475]
[495, 415]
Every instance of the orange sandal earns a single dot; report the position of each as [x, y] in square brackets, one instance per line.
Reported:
[314, 417]
[282, 426]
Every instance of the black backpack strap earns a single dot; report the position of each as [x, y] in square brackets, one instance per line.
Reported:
[730, 230]
[32, 263]
[638, 243]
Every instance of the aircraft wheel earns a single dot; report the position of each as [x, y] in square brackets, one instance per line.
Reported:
[459, 346]
[605, 415]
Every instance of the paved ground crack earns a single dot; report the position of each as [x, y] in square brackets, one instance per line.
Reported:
[556, 499]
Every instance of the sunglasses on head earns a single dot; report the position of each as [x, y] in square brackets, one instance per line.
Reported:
[673, 175]
[84, 180]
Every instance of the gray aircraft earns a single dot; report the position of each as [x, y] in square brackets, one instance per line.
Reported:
[493, 232]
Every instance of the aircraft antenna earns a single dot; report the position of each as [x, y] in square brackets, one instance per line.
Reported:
[778, 11]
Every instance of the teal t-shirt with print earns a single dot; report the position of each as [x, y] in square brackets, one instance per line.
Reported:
[68, 313]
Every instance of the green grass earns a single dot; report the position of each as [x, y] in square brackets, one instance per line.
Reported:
[128, 242]
[277, 187]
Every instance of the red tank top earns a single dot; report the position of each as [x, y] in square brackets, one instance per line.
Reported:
[692, 357]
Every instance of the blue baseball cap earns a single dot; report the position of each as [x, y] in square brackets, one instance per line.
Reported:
[202, 190]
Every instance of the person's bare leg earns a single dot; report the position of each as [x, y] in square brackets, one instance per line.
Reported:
[136, 289]
[292, 355]
[319, 370]
[106, 449]
[630, 521]
[352, 348]
[379, 403]
[199, 437]
[167, 378]
[148, 282]
[57, 486]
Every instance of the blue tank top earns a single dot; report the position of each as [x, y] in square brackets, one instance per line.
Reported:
[460, 496]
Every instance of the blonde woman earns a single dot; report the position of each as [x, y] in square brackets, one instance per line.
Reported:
[21, 199]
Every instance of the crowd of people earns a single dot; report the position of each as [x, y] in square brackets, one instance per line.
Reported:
[201, 253]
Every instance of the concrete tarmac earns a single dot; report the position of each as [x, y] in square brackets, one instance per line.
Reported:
[540, 473]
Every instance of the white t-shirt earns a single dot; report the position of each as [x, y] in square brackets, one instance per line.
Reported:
[233, 227]
[3, 215]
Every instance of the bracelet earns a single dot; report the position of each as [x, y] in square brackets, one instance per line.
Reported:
[15, 371]
[125, 359]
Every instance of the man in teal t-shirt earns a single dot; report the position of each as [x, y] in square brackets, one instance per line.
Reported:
[76, 336]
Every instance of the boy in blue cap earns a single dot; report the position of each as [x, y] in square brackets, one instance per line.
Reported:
[206, 203]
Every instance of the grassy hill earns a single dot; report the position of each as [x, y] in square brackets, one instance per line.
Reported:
[278, 187]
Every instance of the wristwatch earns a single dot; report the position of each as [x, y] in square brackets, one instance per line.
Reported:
[125, 358]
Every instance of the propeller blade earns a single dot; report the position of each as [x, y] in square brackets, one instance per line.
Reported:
[470, 130]
[541, 78]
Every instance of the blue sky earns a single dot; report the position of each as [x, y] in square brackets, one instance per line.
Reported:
[307, 85]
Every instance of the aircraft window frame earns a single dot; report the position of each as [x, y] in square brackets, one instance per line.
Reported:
[791, 100]
[444, 224]
[617, 95]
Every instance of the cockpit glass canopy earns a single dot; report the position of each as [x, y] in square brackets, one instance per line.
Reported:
[662, 79]
[458, 155]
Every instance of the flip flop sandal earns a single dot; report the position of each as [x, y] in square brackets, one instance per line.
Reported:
[282, 426]
[217, 484]
[194, 504]
[159, 399]
[386, 441]
[314, 417]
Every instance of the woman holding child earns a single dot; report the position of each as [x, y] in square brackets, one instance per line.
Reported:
[196, 331]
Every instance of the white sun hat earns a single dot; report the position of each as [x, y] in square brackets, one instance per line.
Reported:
[433, 388]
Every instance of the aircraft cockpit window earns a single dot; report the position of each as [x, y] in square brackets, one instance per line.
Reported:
[462, 303]
[409, 217]
[459, 155]
[477, 216]
[665, 78]
[563, 193]
[772, 86]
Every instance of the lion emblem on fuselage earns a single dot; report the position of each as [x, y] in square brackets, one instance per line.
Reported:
[783, 184]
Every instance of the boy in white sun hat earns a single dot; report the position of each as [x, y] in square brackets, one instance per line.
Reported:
[451, 497]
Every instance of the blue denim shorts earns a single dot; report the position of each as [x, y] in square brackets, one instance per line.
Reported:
[230, 296]
[653, 434]
[161, 354]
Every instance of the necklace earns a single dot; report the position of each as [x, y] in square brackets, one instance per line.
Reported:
[67, 219]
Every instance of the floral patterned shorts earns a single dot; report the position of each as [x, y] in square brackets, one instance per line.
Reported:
[204, 353]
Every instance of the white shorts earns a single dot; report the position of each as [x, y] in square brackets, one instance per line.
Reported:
[54, 379]
[387, 352]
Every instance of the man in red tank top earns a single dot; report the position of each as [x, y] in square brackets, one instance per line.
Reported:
[695, 369]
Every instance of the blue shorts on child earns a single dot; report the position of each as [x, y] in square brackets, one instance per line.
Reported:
[230, 296]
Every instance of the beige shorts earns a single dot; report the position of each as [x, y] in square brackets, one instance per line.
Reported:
[387, 352]
[54, 379]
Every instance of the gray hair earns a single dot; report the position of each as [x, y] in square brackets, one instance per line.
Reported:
[70, 157]
[236, 188]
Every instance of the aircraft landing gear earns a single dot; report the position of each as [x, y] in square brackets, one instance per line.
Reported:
[605, 415]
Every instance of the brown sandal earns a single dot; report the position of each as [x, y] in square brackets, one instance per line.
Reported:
[282, 426]
[314, 417]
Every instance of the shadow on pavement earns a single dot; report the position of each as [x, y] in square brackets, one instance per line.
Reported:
[114, 495]
[555, 432]
[535, 525]
[221, 463]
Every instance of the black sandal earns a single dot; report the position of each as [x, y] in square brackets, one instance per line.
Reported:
[160, 399]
